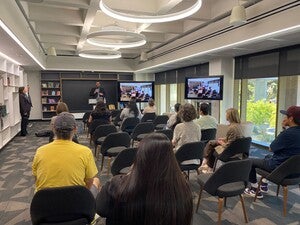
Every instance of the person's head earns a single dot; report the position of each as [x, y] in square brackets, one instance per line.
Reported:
[23, 90]
[204, 108]
[232, 115]
[98, 84]
[61, 107]
[133, 107]
[151, 102]
[64, 126]
[177, 107]
[157, 178]
[188, 112]
[292, 116]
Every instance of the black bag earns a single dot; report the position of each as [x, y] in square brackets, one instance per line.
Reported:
[43, 133]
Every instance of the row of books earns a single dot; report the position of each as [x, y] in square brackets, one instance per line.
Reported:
[48, 92]
[50, 85]
[49, 108]
[49, 101]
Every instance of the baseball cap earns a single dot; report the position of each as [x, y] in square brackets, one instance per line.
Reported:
[64, 121]
[293, 111]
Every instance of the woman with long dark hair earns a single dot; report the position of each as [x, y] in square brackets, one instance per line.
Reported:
[131, 110]
[100, 113]
[154, 192]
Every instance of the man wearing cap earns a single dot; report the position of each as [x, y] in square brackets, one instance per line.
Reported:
[286, 144]
[64, 162]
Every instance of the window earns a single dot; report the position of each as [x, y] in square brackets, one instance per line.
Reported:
[173, 96]
[261, 108]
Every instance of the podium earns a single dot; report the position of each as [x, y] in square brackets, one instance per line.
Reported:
[92, 102]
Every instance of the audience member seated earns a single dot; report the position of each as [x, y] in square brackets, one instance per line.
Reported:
[63, 162]
[285, 145]
[150, 108]
[187, 131]
[100, 113]
[154, 192]
[234, 132]
[174, 118]
[131, 110]
[206, 121]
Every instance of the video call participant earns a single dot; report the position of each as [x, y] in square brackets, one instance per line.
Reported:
[98, 92]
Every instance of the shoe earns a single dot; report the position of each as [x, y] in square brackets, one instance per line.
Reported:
[251, 192]
[264, 187]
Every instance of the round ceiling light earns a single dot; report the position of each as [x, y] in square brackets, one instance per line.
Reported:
[116, 39]
[100, 54]
[150, 19]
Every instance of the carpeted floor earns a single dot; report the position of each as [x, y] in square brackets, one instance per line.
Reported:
[17, 186]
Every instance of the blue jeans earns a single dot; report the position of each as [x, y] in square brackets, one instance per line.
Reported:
[258, 163]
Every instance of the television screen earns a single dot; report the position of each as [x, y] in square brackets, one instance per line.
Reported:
[210, 88]
[141, 91]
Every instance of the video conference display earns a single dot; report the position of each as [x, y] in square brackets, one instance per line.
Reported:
[141, 91]
[210, 88]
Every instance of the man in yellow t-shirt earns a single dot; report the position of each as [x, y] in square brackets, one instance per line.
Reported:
[64, 162]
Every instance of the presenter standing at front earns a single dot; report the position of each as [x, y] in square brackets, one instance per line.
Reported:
[98, 92]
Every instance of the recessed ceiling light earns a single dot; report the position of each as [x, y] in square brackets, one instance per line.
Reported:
[100, 54]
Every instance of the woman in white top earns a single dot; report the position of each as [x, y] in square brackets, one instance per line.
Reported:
[150, 108]
[131, 110]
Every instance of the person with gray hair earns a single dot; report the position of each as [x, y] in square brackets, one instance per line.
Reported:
[64, 162]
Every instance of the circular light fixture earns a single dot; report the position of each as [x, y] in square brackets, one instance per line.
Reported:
[150, 19]
[121, 39]
[100, 54]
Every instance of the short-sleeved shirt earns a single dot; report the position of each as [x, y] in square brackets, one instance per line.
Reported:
[207, 122]
[63, 163]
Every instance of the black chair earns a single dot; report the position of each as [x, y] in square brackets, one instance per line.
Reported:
[141, 130]
[101, 132]
[229, 180]
[93, 125]
[190, 151]
[288, 173]
[160, 122]
[116, 117]
[63, 206]
[112, 145]
[208, 134]
[238, 149]
[129, 124]
[148, 117]
[123, 161]
[169, 133]
[85, 119]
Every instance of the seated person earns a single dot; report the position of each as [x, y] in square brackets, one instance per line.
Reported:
[100, 114]
[63, 162]
[234, 132]
[154, 192]
[206, 121]
[131, 110]
[285, 145]
[150, 108]
[174, 119]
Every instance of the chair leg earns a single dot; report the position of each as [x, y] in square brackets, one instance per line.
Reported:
[277, 192]
[188, 176]
[220, 207]
[258, 188]
[96, 147]
[102, 162]
[225, 201]
[199, 198]
[215, 165]
[244, 209]
[285, 195]
[108, 165]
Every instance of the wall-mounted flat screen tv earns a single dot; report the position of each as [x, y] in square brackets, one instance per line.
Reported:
[142, 91]
[209, 88]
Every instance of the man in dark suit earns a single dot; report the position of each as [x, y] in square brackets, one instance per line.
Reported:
[98, 92]
[25, 107]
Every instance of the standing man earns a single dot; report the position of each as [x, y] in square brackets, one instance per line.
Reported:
[25, 107]
[64, 162]
[98, 92]
[206, 121]
[285, 145]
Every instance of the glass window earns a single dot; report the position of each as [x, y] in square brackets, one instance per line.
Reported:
[261, 108]
[163, 93]
[173, 96]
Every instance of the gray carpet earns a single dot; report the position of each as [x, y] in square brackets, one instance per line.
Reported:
[17, 186]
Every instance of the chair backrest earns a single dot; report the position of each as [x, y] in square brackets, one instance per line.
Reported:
[289, 169]
[104, 130]
[240, 146]
[95, 123]
[115, 140]
[169, 133]
[123, 160]
[188, 151]
[148, 117]
[62, 204]
[86, 116]
[142, 128]
[208, 134]
[129, 123]
[230, 172]
[161, 119]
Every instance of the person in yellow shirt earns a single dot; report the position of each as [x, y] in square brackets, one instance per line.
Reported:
[64, 162]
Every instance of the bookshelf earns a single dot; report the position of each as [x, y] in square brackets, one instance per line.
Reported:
[11, 78]
[50, 96]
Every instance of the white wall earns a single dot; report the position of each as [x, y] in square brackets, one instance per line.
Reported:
[34, 82]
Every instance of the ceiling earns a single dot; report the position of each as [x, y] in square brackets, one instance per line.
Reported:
[65, 24]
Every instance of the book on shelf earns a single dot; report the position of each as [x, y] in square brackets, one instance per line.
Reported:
[45, 108]
[44, 85]
[52, 108]
[53, 93]
[57, 92]
[50, 85]
[44, 93]
[51, 101]
[56, 85]
[44, 100]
